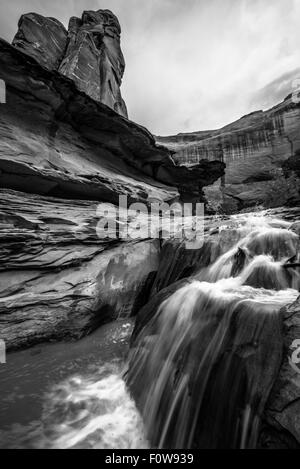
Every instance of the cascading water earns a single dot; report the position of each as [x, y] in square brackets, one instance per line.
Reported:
[63, 396]
[94, 412]
[204, 357]
[202, 367]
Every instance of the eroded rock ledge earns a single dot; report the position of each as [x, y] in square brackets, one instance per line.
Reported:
[58, 279]
[56, 140]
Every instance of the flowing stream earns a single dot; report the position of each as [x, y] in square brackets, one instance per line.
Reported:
[204, 364]
[200, 370]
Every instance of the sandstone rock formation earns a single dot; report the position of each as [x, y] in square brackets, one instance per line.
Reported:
[58, 141]
[58, 279]
[94, 59]
[261, 152]
[44, 39]
[89, 53]
[63, 155]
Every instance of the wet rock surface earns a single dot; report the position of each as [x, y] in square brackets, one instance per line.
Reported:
[58, 279]
[281, 427]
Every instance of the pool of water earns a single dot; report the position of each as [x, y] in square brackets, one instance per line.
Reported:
[70, 395]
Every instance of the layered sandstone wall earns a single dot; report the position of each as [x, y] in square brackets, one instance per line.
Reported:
[257, 150]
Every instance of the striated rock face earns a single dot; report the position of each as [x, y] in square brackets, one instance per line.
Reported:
[63, 157]
[58, 279]
[89, 53]
[292, 165]
[57, 141]
[94, 59]
[44, 39]
[261, 152]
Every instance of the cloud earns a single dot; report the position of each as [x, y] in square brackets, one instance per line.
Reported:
[275, 91]
[192, 64]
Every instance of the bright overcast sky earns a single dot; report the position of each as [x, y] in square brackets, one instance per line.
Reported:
[192, 64]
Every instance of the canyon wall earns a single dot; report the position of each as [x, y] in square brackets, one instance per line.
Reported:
[261, 153]
[65, 158]
[58, 278]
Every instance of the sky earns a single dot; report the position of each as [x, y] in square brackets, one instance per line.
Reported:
[192, 64]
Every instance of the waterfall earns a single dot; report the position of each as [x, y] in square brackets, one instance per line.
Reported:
[202, 367]
[204, 356]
